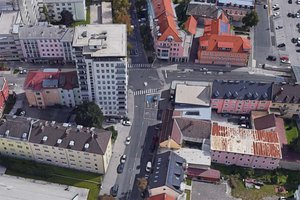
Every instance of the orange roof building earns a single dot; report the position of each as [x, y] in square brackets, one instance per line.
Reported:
[191, 25]
[219, 46]
[163, 196]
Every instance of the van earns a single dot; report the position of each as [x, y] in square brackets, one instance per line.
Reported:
[149, 166]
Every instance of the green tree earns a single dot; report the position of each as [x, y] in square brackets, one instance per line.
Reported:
[250, 19]
[181, 11]
[106, 197]
[295, 145]
[66, 18]
[89, 114]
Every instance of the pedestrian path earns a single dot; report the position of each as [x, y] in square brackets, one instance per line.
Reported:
[148, 91]
[146, 65]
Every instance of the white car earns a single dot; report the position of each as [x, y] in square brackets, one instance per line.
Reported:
[275, 14]
[127, 142]
[123, 159]
[126, 123]
[286, 61]
[298, 15]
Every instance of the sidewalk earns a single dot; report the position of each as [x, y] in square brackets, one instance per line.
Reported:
[118, 149]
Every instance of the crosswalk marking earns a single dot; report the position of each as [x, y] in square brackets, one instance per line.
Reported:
[139, 65]
[142, 92]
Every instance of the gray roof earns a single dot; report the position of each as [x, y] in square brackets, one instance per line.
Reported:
[167, 171]
[46, 32]
[241, 90]
[197, 129]
[296, 71]
[7, 20]
[202, 10]
[48, 133]
[286, 93]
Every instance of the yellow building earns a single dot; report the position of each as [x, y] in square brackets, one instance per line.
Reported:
[80, 148]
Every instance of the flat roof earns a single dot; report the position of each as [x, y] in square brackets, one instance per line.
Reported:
[13, 188]
[238, 2]
[106, 13]
[192, 94]
[245, 141]
[7, 20]
[111, 40]
[195, 156]
[296, 70]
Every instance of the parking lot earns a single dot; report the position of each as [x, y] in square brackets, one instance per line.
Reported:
[288, 30]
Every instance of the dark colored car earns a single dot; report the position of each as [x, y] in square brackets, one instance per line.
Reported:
[281, 45]
[114, 190]
[120, 168]
[298, 25]
[271, 58]
[276, 8]
[290, 1]
[294, 40]
[298, 50]
[289, 14]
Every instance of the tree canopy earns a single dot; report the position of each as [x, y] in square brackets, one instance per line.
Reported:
[250, 19]
[89, 114]
[66, 18]
[121, 13]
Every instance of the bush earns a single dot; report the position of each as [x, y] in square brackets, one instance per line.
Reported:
[114, 133]
[232, 182]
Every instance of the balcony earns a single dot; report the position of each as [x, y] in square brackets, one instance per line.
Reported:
[120, 66]
[120, 83]
[121, 88]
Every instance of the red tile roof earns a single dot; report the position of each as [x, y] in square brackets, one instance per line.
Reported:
[245, 141]
[191, 25]
[66, 80]
[162, 196]
[164, 13]
[204, 173]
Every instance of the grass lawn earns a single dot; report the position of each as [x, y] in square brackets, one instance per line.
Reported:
[29, 169]
[188, 194]
[290, 130]
[87, 21]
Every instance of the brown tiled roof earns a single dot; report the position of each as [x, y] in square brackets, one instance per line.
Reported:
[193, 128]
[265, 122]
[169, 128]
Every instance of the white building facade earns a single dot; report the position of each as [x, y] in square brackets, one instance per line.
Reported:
[55, 7]
[101, 62]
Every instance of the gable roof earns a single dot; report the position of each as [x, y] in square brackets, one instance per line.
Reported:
[165, 15]
[265, 122]
[169, 129]
[202, 10]
[38, 80]
[167, 171]
[192, 94]
[191, 25]
[286, 93]
[190, 128]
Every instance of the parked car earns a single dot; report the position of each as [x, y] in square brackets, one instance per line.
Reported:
[276, 8]
[148, 166]
[265, 6]
[289, 14]
[286, 57]
[111, 121]
[298, 25]
[126, 123]
[294, 40]
[123, 158]
[281, 45]
[120, 168]
[275, 14]
[271, 58]
[290, 1]
[297, 15]
[114, 190]
[279, 27]
[298, 50]
[275, 5]
[127, 141]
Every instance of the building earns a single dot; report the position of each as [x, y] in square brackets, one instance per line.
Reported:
[101, 62]
[52, 87]
[236, 9]
[4, 93]
[55, 7]
[296, 73]
[219, 46]
[9, 5]
[46, 44]
[192, 100]
[178, 130]
[297, 194]
[46, 190]
[10, 48]
[245, 147]
[240, 97]
[285, 100]
[29, 11]
[168, 175]
[190, 26]
[80, 148]
[170, 42]
[162, 196]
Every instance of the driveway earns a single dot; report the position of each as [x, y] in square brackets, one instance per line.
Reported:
[205, 191]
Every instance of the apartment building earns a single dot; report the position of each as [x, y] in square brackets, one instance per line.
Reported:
[80, 148]
[4, 93]
[285, 100]
[236, 9]
[170, 42]
[240, 97]
[10, 47]
[46, 44]
[220, 46]
[29, 11]
[9, 5]
[101, 62]
[55, 7]
[52, 87]
[168, 175]
[245, 147]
